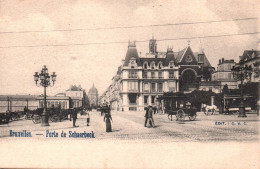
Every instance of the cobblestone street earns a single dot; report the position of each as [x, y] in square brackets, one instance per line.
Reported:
[130, 125]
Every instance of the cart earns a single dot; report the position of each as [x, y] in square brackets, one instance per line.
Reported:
[176, 104]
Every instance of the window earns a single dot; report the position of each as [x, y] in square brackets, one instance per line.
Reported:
[132, 74]
[152, 65]
[229, 75]
[145, 99]
[153, 74]
[160, 75]
[160, 66]
[132, 98]
[201, 59]
[172, 86]
[132, 63]
[132, 86]
[146, 87]
[171, 75]
[171, 64]
[145, 75]
[188, 58]
[210, 89]
[160, 87]
[153, 87]
[145, 65]
[153, 99]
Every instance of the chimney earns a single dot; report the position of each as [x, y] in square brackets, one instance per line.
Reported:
[219, 61]
[222, 60]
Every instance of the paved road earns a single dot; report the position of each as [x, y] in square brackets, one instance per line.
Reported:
[130, 125]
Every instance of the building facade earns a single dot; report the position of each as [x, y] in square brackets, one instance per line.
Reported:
[143, 79]
[54, 101]
[75, 93]
[252, 58]
[93, 96]
[18, 102]
[223, 74]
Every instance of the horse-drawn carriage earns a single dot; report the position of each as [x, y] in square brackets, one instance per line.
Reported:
[176, 104]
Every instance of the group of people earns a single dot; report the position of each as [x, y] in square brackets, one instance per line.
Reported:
[104, 110]
[74, 115]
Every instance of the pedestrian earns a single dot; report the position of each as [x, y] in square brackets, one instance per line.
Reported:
[70, 113]
[146, 115]
[74, 117]
[150, 116]
[107, 119]
[88, 117]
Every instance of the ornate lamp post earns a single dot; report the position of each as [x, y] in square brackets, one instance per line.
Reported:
[44, 82]
[242, 73]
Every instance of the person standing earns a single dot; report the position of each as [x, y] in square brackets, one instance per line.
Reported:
[107, 119]
[146, 116]
[88, 117]
[150, 116]
[74, 117]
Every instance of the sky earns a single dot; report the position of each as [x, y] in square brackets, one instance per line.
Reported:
[86, 65]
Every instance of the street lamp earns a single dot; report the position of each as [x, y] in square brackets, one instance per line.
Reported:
[242, 73]
[44, 82]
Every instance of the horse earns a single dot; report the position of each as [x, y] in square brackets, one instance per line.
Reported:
[207, 109]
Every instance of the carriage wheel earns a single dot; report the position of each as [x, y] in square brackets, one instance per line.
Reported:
[170, 117]
[192, 117]
[36, 119]
[54, 118]
[180, 115]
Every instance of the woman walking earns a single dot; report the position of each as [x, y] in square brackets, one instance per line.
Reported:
[107, 118]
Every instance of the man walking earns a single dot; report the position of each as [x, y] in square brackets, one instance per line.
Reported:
[146, 116]
[150, 116]
[74, 117]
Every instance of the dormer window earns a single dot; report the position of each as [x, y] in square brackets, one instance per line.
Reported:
[145, 65]
[132, 63]
[171, 64]
[160, 66]
[152, 65]
[201, 59]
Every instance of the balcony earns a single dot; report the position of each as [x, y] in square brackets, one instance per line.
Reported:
[172, 77]
[132, 76]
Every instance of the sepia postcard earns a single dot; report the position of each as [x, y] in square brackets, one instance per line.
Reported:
[130, 84]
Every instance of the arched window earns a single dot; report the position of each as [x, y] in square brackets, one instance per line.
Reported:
[160, 66]
[145, 65]
[152, 65]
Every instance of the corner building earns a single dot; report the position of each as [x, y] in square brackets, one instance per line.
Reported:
[143, 79]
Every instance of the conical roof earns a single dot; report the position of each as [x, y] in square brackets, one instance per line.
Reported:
[132, 53]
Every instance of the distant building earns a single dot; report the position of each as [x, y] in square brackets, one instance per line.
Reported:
[214, 86]
[76, 95]
[54, 101]
[72, 98]
[93, 96]
[112, 94]
[252, 58]
[18, 102]
[223, 74]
